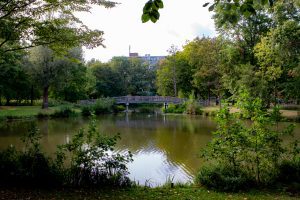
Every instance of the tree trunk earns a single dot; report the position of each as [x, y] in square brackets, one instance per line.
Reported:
[175, 87]
[7, 101]
[208, 96]
[45, 97]
[31, 96]
[174, 82]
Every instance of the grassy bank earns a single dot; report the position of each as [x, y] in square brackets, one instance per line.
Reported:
[289, 115]
[23, 111]
[19, 112]
[139, 193]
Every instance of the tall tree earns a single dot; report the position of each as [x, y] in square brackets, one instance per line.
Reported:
[204, 56]
[46, 22]
[50, 70]
[174, 76]
[278, 56]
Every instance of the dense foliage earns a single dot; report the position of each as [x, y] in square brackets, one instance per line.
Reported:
[259, 52]
[242, 155]
[123, 76]
[87, 160]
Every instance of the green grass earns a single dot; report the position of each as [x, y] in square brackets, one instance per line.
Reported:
[289, 114]
[20, 111]
[138, 193]
[16, 112]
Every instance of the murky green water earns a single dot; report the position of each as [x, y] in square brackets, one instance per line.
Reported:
[163, 146]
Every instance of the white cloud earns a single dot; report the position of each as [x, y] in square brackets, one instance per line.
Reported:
[179, 21]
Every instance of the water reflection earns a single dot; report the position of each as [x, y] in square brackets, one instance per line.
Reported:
[162, 146]
[154, 168]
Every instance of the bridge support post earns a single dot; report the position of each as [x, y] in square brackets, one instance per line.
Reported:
[127, 105]
[166, 105]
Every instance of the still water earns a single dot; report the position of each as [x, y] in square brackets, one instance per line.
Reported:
[163, 146]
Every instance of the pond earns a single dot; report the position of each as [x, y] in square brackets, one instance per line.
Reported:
[163, 146]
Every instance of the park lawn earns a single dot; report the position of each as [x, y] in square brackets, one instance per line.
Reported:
[289, 114]
[24, 111]
[19, 111]
[138, 193]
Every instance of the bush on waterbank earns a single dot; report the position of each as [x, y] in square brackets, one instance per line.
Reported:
[64, 112]
[28, 167]
[192, 107]
[224, 178]
[92, 162]
[174, 108]
[101, 106]
[118, 108]
[87, 110]
[146, 109]
[256, 149]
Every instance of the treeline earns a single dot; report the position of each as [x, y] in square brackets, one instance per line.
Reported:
[259, 53]
[40, 72]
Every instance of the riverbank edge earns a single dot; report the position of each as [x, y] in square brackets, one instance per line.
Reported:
[138, 192]
[38, 112]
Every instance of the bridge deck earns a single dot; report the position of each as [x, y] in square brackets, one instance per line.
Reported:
[140, 99]
[148, 99]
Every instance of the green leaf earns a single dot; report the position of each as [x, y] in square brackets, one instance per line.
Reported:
[160, 3]
[153, 19]
[155, 14]
[145, 17]
[206, 4]
[155, 6]
[211, 8]
[264, 2]
[147, 6]
[243, 8]
[251, 9]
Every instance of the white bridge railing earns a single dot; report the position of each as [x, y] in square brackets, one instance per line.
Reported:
[139, 99]
[148, 99]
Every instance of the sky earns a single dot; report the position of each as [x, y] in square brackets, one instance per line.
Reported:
[180, 21]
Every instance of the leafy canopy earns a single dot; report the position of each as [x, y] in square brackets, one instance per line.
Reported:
[233, 8]
[30, 23]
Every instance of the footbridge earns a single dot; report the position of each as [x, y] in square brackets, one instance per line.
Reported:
[148, 99]
[139, 100]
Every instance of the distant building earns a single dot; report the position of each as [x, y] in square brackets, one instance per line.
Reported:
[133, 55]
[152, 61]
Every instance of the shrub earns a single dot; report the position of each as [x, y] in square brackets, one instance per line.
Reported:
[289, 171]
[146, 109]
[118, 108]
[223, 178]
[103, 106]
[30, 167]
[174, 108]
[192, 106]
[93, 162]
[64, 112]
[43, 114]
[55, 102]
[257, 148]
[87, 110]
